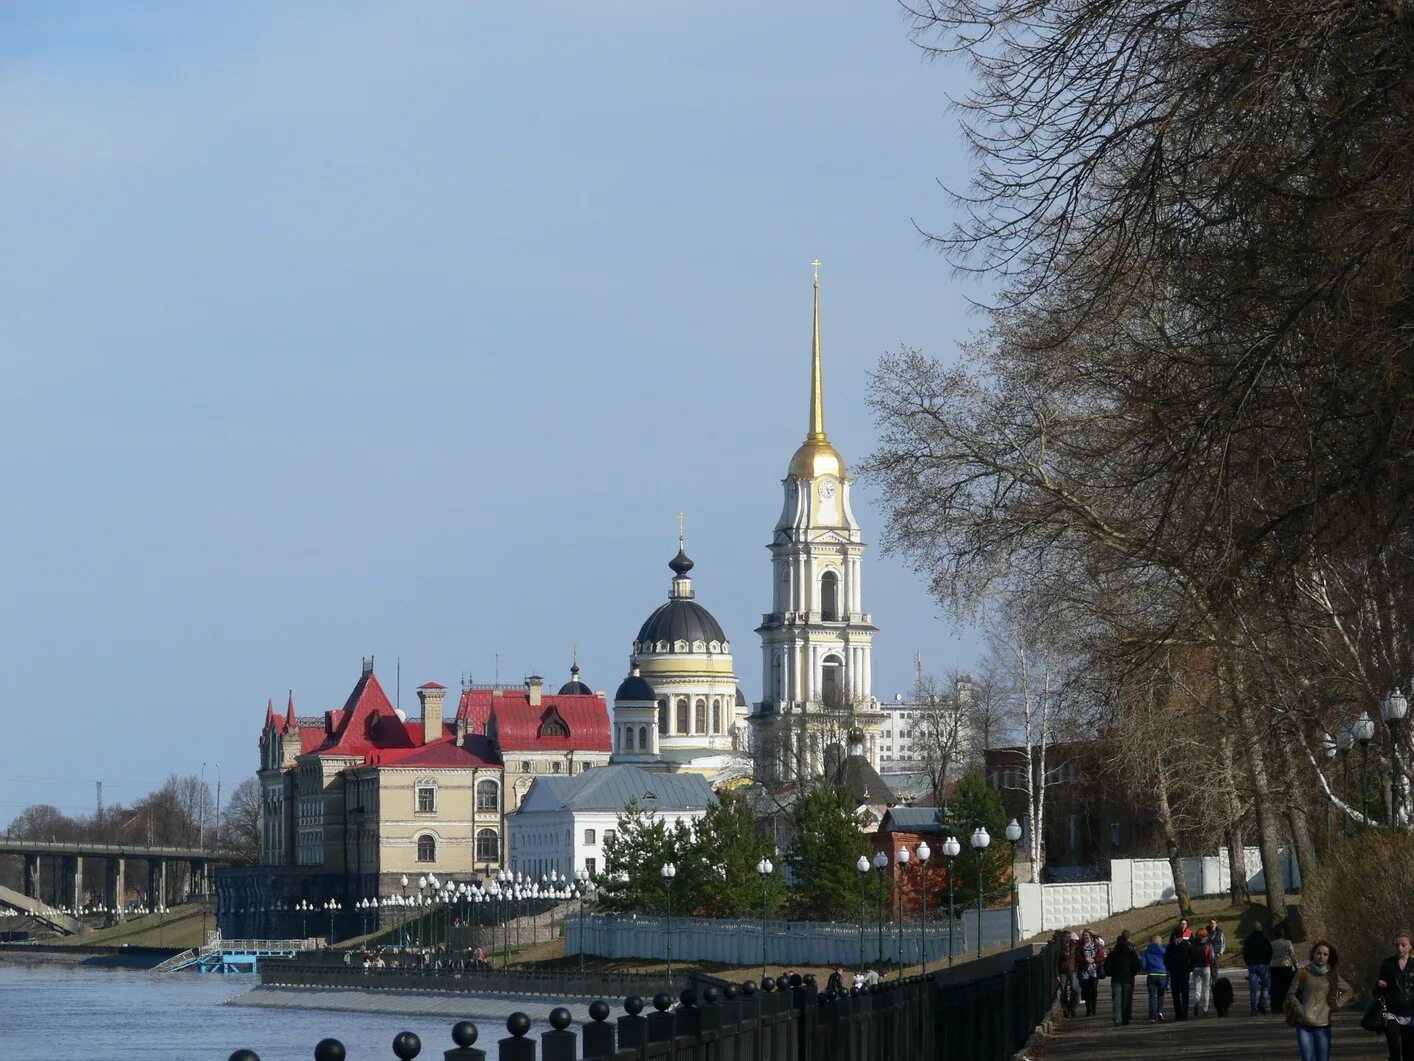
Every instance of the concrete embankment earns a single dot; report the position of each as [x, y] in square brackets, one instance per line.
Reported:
[489, 1012]
[94, 957]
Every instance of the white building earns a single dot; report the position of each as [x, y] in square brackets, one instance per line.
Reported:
[817, 640]
[564, 822]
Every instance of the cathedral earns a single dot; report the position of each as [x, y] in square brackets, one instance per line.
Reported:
[817, 707]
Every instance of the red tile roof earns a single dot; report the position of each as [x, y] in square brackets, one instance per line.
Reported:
[477, 752]
[432, 685]
[518, 725]
[367, 723]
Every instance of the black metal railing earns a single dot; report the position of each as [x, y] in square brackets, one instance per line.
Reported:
[983, 1011]
[417, 973]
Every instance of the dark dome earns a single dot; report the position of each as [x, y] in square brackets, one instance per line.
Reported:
[680, 620]
[635, 688]
[680, 565]
[575, 689]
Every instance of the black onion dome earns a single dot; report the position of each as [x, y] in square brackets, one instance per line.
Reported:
[575, 688]
[681, 564]
[635, 688]
[680, 620]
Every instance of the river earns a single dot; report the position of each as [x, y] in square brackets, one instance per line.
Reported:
[73, 1013]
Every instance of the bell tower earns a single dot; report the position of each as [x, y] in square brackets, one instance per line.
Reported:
[817, 640]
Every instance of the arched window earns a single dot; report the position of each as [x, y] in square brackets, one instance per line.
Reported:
[663, 716]
[830, 596]
[426, 849]
[683, 725]
[628, 738]
[699, 716]
[488, 795]
[832, 682]
[488, 846]
[717, 715]
[643, 739]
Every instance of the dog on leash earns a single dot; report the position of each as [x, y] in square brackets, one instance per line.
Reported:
[1222, 995]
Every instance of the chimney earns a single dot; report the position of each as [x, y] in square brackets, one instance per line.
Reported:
[534, 684]
[431, 696]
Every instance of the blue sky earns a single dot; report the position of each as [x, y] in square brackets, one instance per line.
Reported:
[336, 330]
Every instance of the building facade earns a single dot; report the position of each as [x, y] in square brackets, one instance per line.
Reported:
[817, 640]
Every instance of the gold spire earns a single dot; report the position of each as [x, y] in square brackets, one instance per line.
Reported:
[816, 457]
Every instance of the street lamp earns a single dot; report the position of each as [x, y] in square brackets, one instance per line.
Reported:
[881, 863]
[1013, 837]
[863, 866]
[980, 840]
[1393, 708]
[924, 853]
[901, 858]
[1328, 750]
[1364, 730]
[764, 869]
[669, 871]
[304, 906]
[1344, 741]
[582, 876]
[951, 849]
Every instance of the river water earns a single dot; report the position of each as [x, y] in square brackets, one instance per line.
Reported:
[73, 1013]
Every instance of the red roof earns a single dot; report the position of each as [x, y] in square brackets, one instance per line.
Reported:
[476, 752]
[432, 685]
[367, 723]
[518, 726]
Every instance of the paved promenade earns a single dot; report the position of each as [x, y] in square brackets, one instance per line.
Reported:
[1210, 1038]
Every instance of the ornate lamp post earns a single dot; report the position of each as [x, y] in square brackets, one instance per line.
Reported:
[980, 840]
[764, 869]
[1328, 750]
[669, 871]
[924, 853]
[582, 876]
[1013, 837]
[1344, 741]
[863, 866]
[304, 906]
[881, 863]
[951, 849]
[1393, 709]
[1364, 731]
[900, 860]
[403, 902]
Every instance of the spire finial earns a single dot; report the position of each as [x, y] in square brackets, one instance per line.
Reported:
[682, 530]
[817, 396]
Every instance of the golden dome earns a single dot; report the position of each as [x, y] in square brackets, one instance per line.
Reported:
[816, 457]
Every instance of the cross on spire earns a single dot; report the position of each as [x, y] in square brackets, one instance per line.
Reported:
[816, 266]
[682, 536]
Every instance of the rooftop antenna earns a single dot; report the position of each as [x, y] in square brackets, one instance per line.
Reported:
[497, 680]
[398, 700]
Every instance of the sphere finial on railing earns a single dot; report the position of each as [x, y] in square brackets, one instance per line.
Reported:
[518, 1024]
[560, 1018]
[599, 1010]
[464, 1033]
[329, 1050]
[662, 1001]
[633, 1005]
[245, 1055]
[406, 1045]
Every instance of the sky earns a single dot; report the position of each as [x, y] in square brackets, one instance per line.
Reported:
[337, 330]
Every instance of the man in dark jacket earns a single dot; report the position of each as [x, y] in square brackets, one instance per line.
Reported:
[1257, 955]
[1122, 966]
[1395, 986]
[1178, 958]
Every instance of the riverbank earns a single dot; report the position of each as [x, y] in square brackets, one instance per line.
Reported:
[90, 957]
[489, 1012]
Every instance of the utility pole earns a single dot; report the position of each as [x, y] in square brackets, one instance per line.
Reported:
[218, 806]
[98, 785]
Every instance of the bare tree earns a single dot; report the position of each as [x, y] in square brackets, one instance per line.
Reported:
[241, 821]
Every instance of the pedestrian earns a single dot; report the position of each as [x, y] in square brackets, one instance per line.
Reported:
[1217, 940]
[1395, 988]
[1283, 967]
[1067, 971]
[1316, 992]
[836, 982]
[1122, 966]
[1202, 973]
[1157, 976]
[1181, 930]
[1090, 957]
[1257, 956]
[1178, 958]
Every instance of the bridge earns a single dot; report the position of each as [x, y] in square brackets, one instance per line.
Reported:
[39, 911]
[67, 861]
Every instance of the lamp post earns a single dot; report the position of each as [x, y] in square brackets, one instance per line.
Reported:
[901, 860]
[304, 906]
[1013, 837]
[764, 868]
[1328, 749]
[863, 866]
[980, 840]
[1364, 731]
[881, 863]
[1393, 709]
[582, 876]
[669, 871]
[1344, 741]
[924, 853]
[951, 849]
[403, 902]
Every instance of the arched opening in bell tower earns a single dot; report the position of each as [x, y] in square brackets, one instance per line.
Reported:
[830, 597]
[832, 682]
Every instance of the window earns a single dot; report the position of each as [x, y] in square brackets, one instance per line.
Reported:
[609, 835]
[628, 738]
[426, 799]
[682, 726]
[830, 596]
[591, 866]
[717, 716]
[525, 766]
[488, 846]
[700, 716]
[488, 795]
[662, 716]
[643, 739]
[556, 766]
[589, 837]
[426, 849]
[832, 682]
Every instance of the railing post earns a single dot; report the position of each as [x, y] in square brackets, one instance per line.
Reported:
[598, 1034]
[517, 1047]
[633, 1027]
[559, 1043]
[662, 1024]
[464, 1034]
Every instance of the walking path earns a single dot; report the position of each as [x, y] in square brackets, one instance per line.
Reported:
[1213, 1038]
